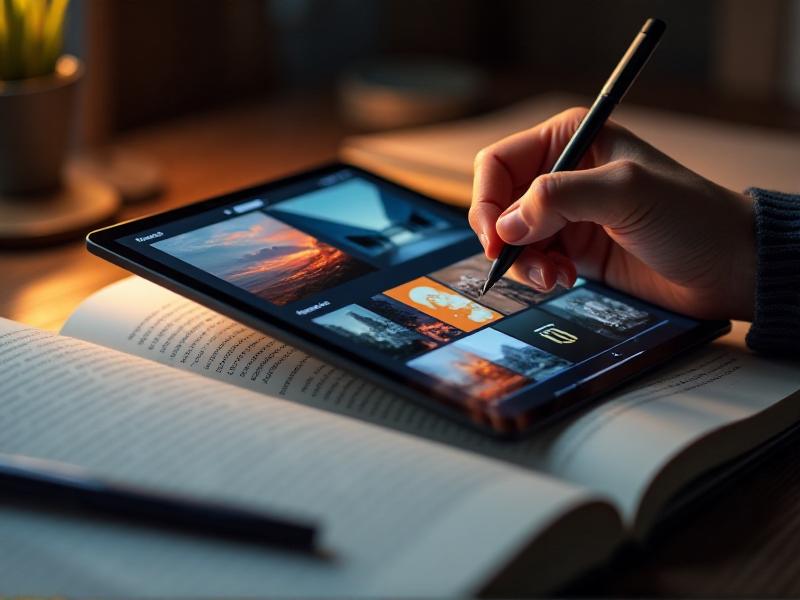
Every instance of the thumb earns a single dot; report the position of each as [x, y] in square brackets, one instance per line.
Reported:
[611, 195]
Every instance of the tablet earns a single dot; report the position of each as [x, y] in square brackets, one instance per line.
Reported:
[383, 281]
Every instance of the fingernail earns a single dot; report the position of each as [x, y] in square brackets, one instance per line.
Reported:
[536, 276]
[511, 226]
[562, 279]
[484, 241]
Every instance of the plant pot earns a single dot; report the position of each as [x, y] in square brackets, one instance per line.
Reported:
[36, 116]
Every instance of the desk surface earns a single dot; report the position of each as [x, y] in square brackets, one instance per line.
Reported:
[745, 541]
[201, 156]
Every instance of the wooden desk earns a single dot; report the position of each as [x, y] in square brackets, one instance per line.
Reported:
[744, 542]
[201, 156]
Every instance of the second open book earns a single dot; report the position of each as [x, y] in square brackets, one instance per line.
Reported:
[443, 515]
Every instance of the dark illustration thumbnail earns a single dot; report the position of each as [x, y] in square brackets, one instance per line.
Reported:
[507, 296]
[411, 318]
[600, 314]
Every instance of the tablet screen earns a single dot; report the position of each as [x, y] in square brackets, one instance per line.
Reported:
[390, 276]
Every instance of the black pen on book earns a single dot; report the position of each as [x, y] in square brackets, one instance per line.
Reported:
[612, 93]
[71, 486]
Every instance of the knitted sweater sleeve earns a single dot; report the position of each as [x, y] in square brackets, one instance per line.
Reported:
[776, 325]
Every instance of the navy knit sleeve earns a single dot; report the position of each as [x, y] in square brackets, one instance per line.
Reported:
[776, 326]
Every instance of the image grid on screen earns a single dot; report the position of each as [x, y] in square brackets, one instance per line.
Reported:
[480, 347]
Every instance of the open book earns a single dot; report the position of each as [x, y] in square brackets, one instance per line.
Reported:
[147, 387]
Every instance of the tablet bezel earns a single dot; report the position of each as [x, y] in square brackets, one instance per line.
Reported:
[104, 244]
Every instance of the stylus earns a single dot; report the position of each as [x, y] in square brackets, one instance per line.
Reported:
[612, 93]
[70, 486]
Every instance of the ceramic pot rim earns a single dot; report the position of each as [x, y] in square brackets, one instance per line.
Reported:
[69, 69]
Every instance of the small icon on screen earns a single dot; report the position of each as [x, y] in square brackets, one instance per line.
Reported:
[559, 336]
[248, 206]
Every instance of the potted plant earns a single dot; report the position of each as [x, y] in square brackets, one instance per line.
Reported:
[37, 95]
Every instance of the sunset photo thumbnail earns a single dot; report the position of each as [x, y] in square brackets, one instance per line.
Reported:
[475, 377]
[444, 304]
[268, 258]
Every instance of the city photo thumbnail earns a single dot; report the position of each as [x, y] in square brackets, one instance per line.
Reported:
[513, 354]
[470, 375]
[367, 329]
[600, 314]
[268, 258]
[506, 296]
[444, 304]
[411, 318]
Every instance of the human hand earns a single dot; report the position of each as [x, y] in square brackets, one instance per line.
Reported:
[629, 216]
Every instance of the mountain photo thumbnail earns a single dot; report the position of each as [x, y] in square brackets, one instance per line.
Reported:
[266, 257]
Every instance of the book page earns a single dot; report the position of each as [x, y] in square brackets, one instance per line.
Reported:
[705, 409]
[383, 499]
[617, 448]
[138, 317]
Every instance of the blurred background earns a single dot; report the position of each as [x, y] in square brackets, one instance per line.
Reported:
[150, 60]
[185, 99]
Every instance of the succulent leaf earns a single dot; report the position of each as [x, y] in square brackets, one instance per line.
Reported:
[31, 37]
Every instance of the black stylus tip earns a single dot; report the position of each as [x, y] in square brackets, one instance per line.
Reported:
[487, 285]
[497, 270]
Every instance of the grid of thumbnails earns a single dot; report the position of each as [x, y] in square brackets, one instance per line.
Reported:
[482, 348]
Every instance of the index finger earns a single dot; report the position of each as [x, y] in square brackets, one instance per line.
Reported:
[505, 169]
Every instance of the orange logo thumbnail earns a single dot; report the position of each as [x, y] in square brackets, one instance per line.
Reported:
[444, 304]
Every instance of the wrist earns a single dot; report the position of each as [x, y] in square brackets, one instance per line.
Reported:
[745, 264]
[776, 320]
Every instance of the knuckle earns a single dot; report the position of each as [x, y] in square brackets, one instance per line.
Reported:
[608, 145]
[472, 217]
[480, 216]
[575, 113]
[629, 173]
[533, 203]
[544, 190]
[483, 156]
[528, 210]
